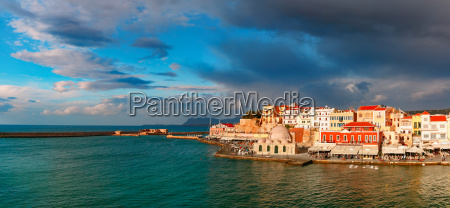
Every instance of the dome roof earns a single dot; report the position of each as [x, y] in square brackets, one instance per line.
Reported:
[280, 132]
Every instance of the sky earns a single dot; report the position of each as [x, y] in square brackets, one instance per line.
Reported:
[73, 62]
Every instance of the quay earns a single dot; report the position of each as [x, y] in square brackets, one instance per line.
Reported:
[82, 134]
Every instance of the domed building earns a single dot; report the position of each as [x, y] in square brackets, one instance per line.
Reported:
[279, 142]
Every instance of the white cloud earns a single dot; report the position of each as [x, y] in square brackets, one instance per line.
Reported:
[175, 66]
[379, 98]
[112, 106]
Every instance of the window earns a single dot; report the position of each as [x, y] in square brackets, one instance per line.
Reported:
[415, 125]
[426, 136]
[268, 148]
[337, 138]
[260, 148]
[374, 138]
[324, 138]
[284, 148]
[359, 138]
[370, 139]
[443, 136]
[331, 138]
[366, 138]
[442, 126]
[353, 138]
[425, 119]
[345, 138]
[425, 126]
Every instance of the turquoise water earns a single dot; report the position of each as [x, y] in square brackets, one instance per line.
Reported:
[153, 171]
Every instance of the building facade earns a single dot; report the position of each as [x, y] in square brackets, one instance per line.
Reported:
[341, 117]
[365, 113]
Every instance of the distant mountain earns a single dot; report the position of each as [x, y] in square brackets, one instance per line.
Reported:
[443, 111]
[205, 121]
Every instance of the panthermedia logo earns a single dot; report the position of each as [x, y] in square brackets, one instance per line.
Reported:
[190, 104]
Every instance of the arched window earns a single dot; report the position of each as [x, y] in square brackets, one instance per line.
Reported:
[276, 148]
[284, 148]
[268, 148]
[260, 148]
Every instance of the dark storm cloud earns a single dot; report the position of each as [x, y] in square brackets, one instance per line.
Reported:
[73, 32]
[393, 37]
[255, 61]
[167, 74]
[159, 49]
[15, 8]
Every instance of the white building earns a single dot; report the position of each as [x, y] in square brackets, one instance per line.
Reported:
[322, 117]
[289, 114]
[434, 128]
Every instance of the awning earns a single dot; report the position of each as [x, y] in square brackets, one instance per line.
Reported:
[338, 150]
[345, 150]
[391, 150]
[429, 148]
[322, 147]
[445, 146]
[414, 150]
[368, 150]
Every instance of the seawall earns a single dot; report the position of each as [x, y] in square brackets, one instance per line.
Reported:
[80, 134]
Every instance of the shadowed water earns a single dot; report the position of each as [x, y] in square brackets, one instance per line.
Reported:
[153, 171]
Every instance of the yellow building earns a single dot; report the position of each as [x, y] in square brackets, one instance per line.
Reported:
[340, 118]
[365, 113]
[416, 124]
[382, 119]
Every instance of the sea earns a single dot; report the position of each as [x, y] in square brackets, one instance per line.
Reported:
[153, 171]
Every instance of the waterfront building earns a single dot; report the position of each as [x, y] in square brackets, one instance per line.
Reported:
[434, 128]
[359, 133]
[341, 117]
[322, 118]
[396, 116]
[305, 118]
[416, 122]
[220, 129]
[279, 142]
[405, 125]
[289, 114]
[382, 118]
[269, 115]
[365, 113]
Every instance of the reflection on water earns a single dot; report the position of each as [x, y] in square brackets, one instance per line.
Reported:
[154, 171]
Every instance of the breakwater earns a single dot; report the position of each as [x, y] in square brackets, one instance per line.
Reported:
[80, 134]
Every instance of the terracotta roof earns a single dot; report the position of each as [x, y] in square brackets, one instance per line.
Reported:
[425, 113]
[380, 109]
[369, 107]
[408, 117]
[438, 118]
[359, 124]
[228, 124]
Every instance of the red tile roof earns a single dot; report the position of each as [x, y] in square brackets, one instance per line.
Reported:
[359, 124]
[425, 113]
[408, 117]
[438, 118]
[228, 124]
[369, 107]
